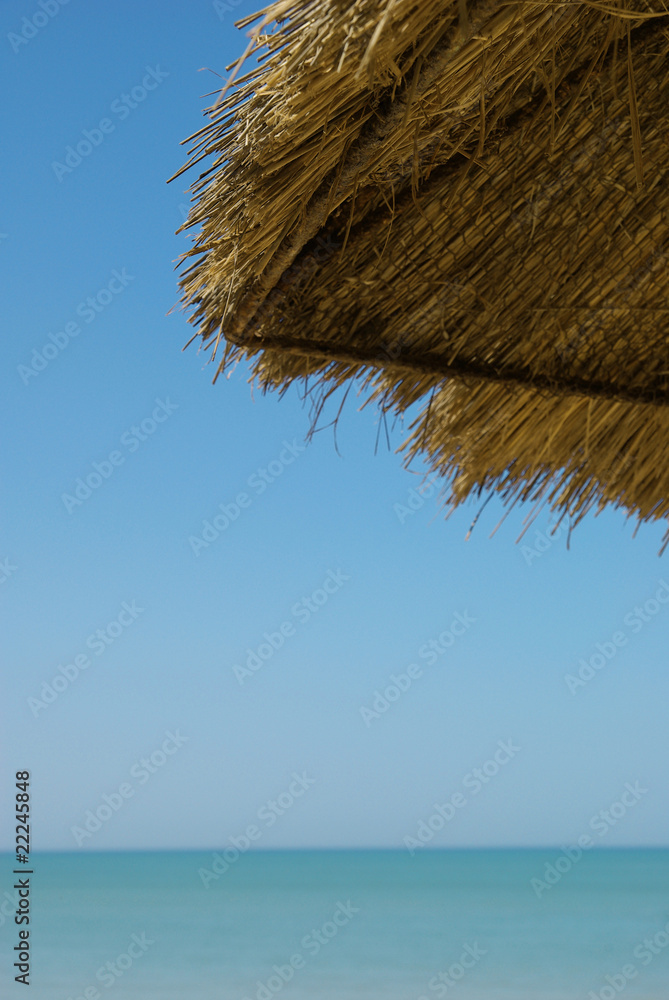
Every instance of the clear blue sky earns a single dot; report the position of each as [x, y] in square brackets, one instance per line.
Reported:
[69, 567]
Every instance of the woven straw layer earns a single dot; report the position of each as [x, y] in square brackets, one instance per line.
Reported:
[461, 203]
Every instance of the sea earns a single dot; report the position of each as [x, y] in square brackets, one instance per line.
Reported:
[342, 925]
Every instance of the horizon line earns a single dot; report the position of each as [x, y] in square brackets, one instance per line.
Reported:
[330, 849]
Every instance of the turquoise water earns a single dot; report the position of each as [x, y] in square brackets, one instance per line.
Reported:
[400, 922]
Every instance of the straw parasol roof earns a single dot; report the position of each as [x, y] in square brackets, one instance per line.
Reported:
[462, 204]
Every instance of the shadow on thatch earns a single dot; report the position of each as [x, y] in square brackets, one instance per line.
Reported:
[464, 203]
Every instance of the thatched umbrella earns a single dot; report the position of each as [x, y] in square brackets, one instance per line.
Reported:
[459, 202]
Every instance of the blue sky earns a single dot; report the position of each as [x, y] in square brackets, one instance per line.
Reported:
[324, 560]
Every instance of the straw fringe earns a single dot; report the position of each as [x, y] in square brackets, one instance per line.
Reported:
[464, 203]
